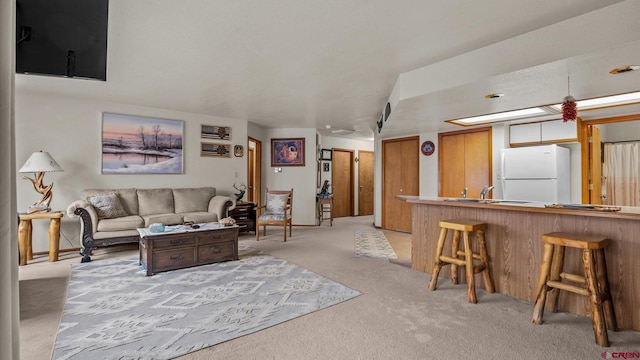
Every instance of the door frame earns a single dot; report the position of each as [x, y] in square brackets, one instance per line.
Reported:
[351, 176]
[257, 169]
[583, 138]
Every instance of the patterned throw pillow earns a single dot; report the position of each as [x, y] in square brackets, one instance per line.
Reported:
[276, 203]
[107, 206]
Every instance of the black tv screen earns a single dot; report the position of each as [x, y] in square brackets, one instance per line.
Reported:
[62, 38]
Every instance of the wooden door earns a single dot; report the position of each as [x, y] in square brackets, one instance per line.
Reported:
[595, 165]
[465, 162]
[400, 176]
[342, 182]
[365, 182]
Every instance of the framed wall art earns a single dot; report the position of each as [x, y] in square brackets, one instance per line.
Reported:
[326, 154]
[141, 145]
[215, 150]
[287, 152]
[215, 132]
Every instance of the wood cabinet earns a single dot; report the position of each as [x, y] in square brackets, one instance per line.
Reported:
[178, 251]
[544, 132]
[465, 162]
[245, 216]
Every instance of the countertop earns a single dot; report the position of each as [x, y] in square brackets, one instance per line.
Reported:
[625, 212]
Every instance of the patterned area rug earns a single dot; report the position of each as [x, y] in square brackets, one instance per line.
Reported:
[114, 311]
[373, 243]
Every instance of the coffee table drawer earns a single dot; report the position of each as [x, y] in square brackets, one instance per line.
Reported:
[173, 259]
[174, 240]
[216, 252]
[217, 236]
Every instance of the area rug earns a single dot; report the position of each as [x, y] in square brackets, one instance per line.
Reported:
[114, 311]
[373, 243]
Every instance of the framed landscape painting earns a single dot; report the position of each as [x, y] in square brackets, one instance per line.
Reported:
[141, 145]
[287, 152]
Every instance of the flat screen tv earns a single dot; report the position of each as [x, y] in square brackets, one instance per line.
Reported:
[62, 38]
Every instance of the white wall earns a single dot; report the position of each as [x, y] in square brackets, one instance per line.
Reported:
[9, 301]
[301, 178]
[330, 142]
[70, 130]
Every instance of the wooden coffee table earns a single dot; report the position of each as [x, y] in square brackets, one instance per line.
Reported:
[180, 247]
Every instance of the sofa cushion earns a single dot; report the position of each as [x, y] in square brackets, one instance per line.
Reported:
[121, 223]
[192, 199]
[107, 206]
[200, 217]
[128, 197]
[155, 201]
[165, 219]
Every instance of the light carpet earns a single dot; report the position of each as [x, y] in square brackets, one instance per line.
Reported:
[373, 243]
[114, 311]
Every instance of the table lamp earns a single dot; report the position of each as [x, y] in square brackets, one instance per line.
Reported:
[39, 163]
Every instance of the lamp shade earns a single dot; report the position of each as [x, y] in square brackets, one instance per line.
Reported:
[38, 162]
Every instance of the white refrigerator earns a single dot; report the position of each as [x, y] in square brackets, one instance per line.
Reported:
[536, 173]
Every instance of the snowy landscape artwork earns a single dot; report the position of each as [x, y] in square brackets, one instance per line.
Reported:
[141, 145]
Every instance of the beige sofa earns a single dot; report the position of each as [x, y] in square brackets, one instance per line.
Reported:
[111, 216]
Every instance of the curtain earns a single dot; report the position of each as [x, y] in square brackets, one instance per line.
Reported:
[620, 171]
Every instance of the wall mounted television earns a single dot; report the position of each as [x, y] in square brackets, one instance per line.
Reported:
[62, 38]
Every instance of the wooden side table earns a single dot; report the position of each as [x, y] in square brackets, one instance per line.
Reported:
[245, 215]
[24, 235]
[325, 205]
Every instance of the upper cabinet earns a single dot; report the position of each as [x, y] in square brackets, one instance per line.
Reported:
[544, 132]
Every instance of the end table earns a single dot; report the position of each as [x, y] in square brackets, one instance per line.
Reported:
[24, 235]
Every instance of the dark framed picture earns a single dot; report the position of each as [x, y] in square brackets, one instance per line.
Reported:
[326, 154]
[325, 167]
[287, 152]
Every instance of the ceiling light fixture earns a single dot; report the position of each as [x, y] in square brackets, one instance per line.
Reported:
[624, 69]
[606, 101]
[503, 116]
[494, 95]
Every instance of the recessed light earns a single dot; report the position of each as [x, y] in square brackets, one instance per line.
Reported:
[624, 69]
[328, 126]
[494, 95]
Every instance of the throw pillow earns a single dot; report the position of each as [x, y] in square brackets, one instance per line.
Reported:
[276, 203]
[107, 206]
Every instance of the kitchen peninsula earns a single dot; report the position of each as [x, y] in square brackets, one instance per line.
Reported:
[514, 231]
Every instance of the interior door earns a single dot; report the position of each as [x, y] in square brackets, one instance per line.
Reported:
[365, 182]
[595, 165]
[342, 182]
[400, 176]
[451, 156]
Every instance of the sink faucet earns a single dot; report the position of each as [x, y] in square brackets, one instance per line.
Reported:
[485, 191]
[464, 193]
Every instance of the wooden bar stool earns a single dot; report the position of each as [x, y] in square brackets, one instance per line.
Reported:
[463, 258]
[594, 284]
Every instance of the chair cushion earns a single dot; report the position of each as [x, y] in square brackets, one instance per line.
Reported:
[271, 217]
[276, 203]
[107, 206]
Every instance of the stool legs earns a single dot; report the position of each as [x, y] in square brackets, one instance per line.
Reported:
[556, 268]
[471, 282]
[595, 302]
[541, 289]
[455, 245]
[437, 263]
[484, 258]
[603, 286]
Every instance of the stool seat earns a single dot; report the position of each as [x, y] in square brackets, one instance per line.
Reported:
[594, 283]
[463, 258]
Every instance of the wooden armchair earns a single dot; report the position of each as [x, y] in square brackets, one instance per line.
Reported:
[275, 211]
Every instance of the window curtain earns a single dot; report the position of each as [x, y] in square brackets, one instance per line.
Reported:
[620, 171]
